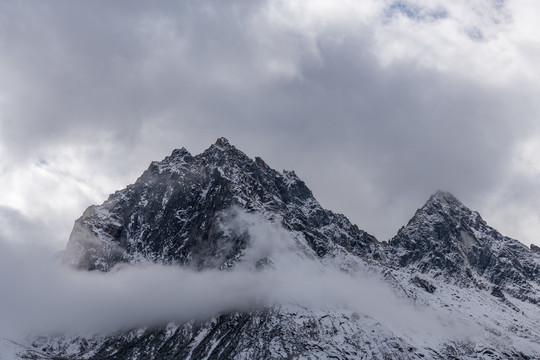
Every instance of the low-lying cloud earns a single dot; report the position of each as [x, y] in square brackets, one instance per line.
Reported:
[40, 296]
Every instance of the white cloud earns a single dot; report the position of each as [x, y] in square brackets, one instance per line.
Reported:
[42, 297]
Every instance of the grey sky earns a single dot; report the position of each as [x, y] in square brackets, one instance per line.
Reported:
[375, 104]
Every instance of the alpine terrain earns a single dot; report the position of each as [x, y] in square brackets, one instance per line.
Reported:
[447, 286]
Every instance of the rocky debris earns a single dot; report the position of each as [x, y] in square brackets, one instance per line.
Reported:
[497, 292]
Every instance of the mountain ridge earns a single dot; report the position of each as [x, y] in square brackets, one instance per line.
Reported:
[449, 239]
[203, 212]
[203, 186]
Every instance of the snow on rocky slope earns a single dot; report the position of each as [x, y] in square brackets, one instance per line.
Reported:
[448, 240]
[446, 286]
[173, 211]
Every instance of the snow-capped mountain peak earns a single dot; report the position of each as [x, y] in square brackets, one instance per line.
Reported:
[446, 286]
[445, 238]
[174, 212]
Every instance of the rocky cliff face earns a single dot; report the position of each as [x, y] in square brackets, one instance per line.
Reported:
[445, 238]
[172, 214]
[481, 288]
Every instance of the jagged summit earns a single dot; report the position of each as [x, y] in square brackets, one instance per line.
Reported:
[446, 238]
[446, 200]
[222, 142]
[180, 153]
[444, 204]
[442, 207]
[443, 196]
[175, 211]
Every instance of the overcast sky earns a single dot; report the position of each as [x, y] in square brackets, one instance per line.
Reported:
[374, 104]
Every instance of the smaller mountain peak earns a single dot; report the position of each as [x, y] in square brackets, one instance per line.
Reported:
[443, 196]
[535, 249]
[222, 142]
[289, 172]
[173, 162]
[444, 201]
[180, 152]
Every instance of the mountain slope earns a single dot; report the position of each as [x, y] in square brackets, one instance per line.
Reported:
[447, 239]
[172, 214]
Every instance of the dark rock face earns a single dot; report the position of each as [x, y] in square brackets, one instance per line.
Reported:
[173, 212]
[535, 249]
[497, 292]
[424, 284]
[447, 239]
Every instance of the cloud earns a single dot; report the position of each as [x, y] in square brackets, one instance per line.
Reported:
[42, 297]
[375, 104]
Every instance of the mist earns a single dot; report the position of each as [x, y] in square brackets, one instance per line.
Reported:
[42, 297]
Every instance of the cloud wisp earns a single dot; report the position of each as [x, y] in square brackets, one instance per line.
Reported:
[42, 297]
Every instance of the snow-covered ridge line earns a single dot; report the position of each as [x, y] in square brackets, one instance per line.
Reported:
[194, 212]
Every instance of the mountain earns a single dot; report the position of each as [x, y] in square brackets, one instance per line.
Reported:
[173, 211]
[447, 286]
[446, 239]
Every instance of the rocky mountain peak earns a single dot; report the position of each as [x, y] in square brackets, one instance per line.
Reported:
[174, 213]
[222, 147]
[448, 239]
[180, 153]
[442, 204]
[444, 198]
[222, 143]
[226, 158]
